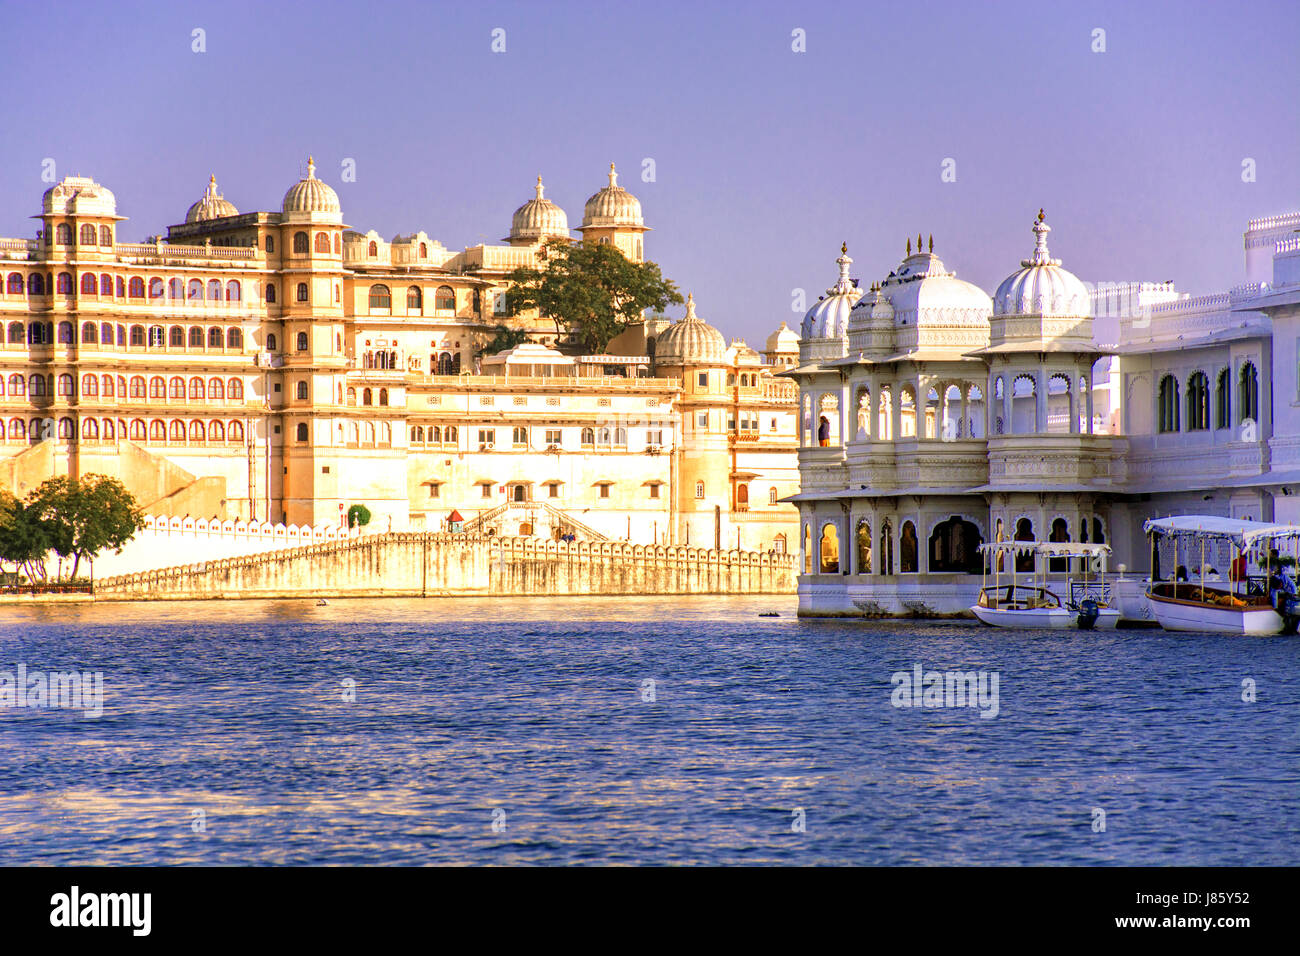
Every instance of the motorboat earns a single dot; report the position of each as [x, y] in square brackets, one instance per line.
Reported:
[1261, 603]
[1034, 604]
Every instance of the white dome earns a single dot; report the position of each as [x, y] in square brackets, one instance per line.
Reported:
[79, 195]
[783, 339]
[1042, 287]
[612, 206]
[690, 341]
[212, 206]
[922, 289]
[538, 218]
[312, 196]
[829, 318]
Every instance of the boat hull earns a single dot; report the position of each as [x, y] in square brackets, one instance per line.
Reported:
[1043, 618]
[1177, 615]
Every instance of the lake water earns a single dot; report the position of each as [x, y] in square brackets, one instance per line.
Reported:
[528, 731]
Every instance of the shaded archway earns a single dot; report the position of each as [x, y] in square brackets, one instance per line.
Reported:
[1025, 532]
[907, 558]
[830, 550]
[864, 546]
[954, 546]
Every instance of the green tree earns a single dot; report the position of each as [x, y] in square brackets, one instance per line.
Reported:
[358, 515]
[591, 291]
[505, 338]
[22, 538]
[80, 517]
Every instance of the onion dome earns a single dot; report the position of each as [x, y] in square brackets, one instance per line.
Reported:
[690, 341]
[212, 206]
[829, 318]
[783, 340]
[924, 291]
[612, 206]
[1042, 287]
[79, 195]
[311, 196]
[539, 218]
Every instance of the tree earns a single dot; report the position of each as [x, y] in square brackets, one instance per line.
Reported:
[591, 291]
[358, 515]
[74, 518]
[505, 338]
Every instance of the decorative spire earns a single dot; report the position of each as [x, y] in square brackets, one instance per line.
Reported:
[845, 284]
[909, 245]
[613, 177]
[918, 242]
[1041, 256]
[690, 296]
[932, 242]
[539, 188]
[311, 168]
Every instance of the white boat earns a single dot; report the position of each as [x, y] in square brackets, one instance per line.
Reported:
[1035, 606]
[1247, 603]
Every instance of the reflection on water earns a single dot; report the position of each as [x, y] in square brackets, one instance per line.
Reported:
[226, 738]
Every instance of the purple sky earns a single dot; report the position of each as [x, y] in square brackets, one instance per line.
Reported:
[765, 159]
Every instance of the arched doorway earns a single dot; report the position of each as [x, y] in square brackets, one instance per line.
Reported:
[830, 550]
[954, 546]
[1060, 534]
[864, 546]
[886, 548]
[1025, 532]
[907, 563]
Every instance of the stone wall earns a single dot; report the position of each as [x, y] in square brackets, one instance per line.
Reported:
[408, 564]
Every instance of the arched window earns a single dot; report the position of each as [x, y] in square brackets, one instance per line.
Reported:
[954, 547]
[90, 429]
[176, 290]
[1168, 405]
[323, 242]
[63, 285]
[372, 250]
[414, 298]
[36, 284]
[90, 385]
[338, 244]
[1248, 401]
[699, 489]
[236, 432]
[300, 244]
[110, 432]
[87, 234]
[519, 436]
[234, 291]
[17, 385]
[1198, 402]
[65, 333]
[196, 389]
[1025, 559]
[106, 333]
[66, 428]
[195, 337]
[137, 336]
[302, 341]
[270, 292]
[157, 430]
[105, 285]
[829, 549]
[176, 337]
[14, 284]
[177, 388]
[89, 333]
[17, 428]
[302, 426]
[907, 557]
[1060, 534]
[157, 336]
[588, 438]
[302, 390]
[17, 334]
[271, 343]
[302, 292]
[65, 385]
[214, 290]
[234, 338]
[216, 389]
[771, 496]
[156, 288]
[352, 396]
[137, 386]
[196, 431]
[807, 550]
[63, 234]
[110, 387]
[216, 432]
[367, 397]
[89, 285]
[177, 430]
[270, 243]
[864, 546]
[445, 298]
[380, 297]
[105, 236]
[235, 389]
[136, 287]
[195, 292]
[1222, 400]
[383, 396]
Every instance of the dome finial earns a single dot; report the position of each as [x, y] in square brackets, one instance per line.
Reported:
[909, 245]
[932, 242]
[918, 242]
[311, 168]
[690, 308]
[844, 248]
[539, 187]
[613, 177]
[1041, 229]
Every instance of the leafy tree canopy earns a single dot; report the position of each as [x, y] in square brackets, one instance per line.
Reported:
[73, 517]
[591, 291]
[505, 338]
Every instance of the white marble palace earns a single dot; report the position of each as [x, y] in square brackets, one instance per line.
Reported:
[934, 418]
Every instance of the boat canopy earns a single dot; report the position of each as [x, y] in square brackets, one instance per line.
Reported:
[1245, 535]
[1053, 549]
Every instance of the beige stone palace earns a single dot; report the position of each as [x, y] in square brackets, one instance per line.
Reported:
[282, 367]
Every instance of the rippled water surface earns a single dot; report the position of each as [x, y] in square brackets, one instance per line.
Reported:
[230, 717]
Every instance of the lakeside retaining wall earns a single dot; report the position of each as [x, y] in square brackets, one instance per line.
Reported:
[417, 564]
